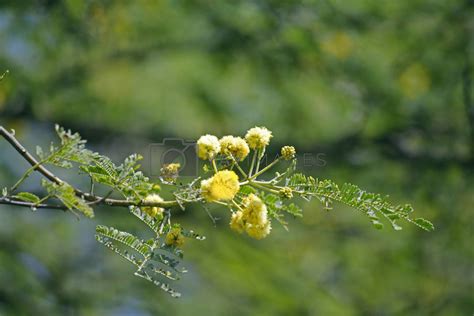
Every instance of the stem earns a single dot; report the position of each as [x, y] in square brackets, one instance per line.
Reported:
[265, 169]
[9, 201]
[214, 165]
[238, 167]
[23, 178]
[257, 185]
[258, 161]
[252, 163]
[152, 247]
[28, 157]
[237, 206]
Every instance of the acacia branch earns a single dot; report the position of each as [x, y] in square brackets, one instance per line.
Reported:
[9, 201]
[95, 199]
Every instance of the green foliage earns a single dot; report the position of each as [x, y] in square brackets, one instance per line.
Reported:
[155, 261]
[27, 197]
[144, 259]
[371, 204]
[67, 195]
[277, 207]
[125, 238]
[123, 178]
[71, 149]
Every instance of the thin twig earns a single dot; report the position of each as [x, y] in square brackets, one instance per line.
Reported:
[6, 200]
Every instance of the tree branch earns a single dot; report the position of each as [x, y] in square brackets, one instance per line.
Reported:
[53, 178]
[9, 201]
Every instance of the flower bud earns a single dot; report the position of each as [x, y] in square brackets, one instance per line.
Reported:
[286, 193]
[288, 152]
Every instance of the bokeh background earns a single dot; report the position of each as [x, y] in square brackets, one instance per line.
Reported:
[381, 90]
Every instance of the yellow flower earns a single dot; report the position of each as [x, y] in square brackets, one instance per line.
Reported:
[253, 219]
[288, 152]
[236, 222]
[153, 211]
[258, 137]
[223, 186]
[208, 147]
[174, 237]
[259, 231]
[255, 211]
[234, 146]
[169, 172]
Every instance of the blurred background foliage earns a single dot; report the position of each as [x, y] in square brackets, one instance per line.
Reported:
[382, 90]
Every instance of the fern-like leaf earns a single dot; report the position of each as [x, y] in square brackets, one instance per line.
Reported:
[66, 194]
[125, 238]
[371, 204]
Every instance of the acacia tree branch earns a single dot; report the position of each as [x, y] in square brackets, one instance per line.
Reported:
[9, 201]
[9, 137]
[95, 199]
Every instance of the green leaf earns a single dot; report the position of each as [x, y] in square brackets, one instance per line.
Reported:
[246, 190]
[423, 223]
[71, 149]
[66, 194]
[158, 260]
[371, 204]
[123, 253]
[125, 238]
[151, 222]
[27, 197]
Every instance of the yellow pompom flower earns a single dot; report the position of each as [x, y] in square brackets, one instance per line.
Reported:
[259, 231]
[174, 237]
[234, 146]
[253, 219]
[258, 137]
[241, 149]
[208, 147]
[237, 223]
[223, 186]
[255, 211]
[153, 211]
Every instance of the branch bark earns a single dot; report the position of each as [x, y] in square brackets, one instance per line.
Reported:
[10, 138]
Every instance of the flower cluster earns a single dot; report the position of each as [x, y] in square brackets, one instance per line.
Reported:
[253, 218]
[250, 213]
